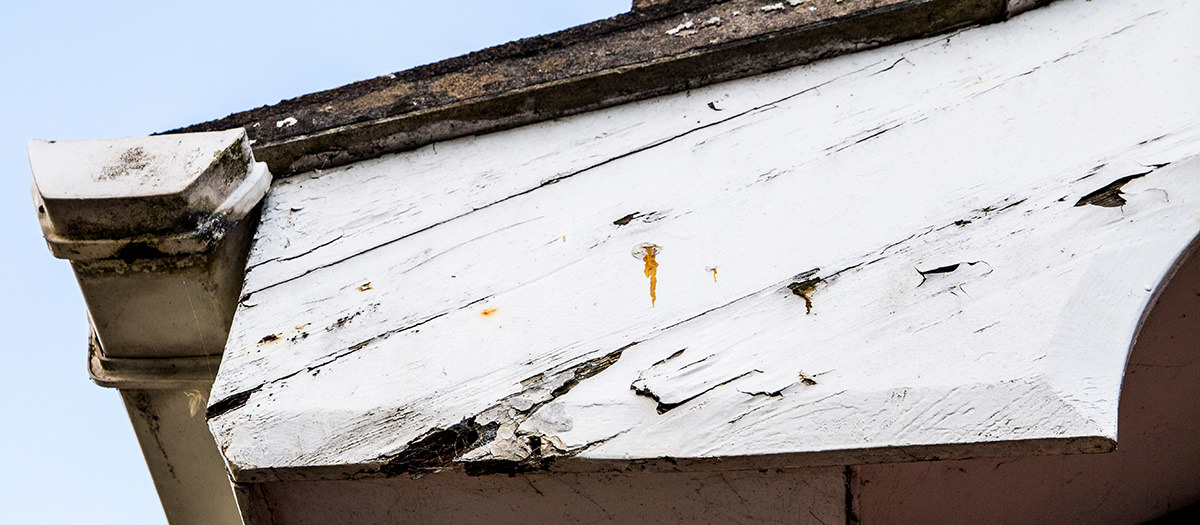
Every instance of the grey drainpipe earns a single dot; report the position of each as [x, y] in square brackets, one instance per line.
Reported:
[157, 230]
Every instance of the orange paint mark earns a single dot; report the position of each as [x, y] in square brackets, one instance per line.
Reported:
[488, 311]
[564, 238]
[651, 270]
[646, 252]
[713, 269]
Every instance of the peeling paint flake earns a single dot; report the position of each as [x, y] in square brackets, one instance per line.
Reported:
[804, 289]
[1110, 196]
[623, 221]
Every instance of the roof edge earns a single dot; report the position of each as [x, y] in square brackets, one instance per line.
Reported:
[1067, 445]
[658, 50]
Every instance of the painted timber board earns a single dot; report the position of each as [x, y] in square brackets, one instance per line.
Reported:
[978, 222]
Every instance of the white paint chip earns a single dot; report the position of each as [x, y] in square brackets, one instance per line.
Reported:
[287, 122]
[772, 7]
[675, 30]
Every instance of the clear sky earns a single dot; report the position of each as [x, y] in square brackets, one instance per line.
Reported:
[87, 70]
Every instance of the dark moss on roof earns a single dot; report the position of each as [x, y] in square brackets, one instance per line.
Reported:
[654, 50]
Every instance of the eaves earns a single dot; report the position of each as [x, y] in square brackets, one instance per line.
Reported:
[659, 49]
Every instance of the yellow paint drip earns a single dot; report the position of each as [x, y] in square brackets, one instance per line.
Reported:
[646, 252]
[488, 311]
[651, 269]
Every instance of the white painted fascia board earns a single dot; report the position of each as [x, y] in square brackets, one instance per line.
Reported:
[974, 295]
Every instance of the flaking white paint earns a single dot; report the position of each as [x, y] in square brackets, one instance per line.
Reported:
[362, 327]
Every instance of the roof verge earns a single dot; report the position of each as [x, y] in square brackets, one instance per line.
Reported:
[651, 51]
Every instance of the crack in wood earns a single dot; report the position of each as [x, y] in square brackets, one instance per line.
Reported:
[559, 178]
[670, 357]
[239, 399]
[441, 448]
[230, 403]
[994, 209]
[872, 133]
[894, 64]
[945, 269]
[297, 256]
[627, 219]
[663, 408]
[766, 393]
[902, 241]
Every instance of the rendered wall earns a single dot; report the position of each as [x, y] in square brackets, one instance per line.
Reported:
[1155, 469]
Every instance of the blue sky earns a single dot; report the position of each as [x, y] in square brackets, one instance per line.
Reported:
[86, 70]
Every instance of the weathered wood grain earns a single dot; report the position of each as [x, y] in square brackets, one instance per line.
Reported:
[479, 300]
